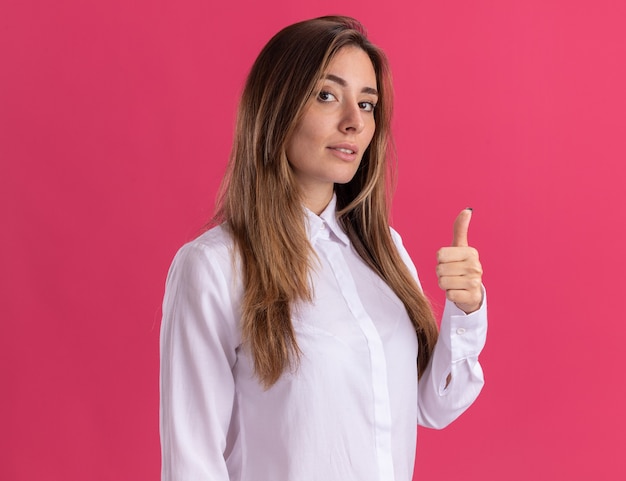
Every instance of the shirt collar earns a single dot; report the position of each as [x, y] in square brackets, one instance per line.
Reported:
[326, 220]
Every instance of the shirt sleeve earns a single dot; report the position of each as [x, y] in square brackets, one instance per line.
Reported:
[198, 343]
[461, 339]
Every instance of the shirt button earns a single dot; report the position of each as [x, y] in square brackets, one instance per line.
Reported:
[460, 331]
[323, 227]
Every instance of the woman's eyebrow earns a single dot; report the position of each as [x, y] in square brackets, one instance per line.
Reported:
[343, 83]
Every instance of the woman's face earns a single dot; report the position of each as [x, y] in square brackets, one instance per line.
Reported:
[336, 128]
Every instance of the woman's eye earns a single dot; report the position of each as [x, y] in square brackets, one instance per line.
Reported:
[325, 96]
[367, 106]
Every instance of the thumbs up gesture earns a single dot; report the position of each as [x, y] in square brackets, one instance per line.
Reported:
[458, 268]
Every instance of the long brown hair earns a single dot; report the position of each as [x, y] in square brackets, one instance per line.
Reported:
[262, 205]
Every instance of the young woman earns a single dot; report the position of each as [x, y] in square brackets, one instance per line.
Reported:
[294, 331]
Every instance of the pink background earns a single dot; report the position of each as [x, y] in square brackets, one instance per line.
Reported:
[115, 126]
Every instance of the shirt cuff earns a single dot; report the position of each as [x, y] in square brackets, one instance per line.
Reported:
[464, 334]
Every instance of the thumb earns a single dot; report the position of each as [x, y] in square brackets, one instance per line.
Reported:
[461, 226]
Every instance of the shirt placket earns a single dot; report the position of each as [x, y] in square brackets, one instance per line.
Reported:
[378, 364]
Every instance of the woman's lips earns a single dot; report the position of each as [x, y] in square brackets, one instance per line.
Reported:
[346, 152]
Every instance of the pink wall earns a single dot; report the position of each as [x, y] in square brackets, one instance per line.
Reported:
[115, 125]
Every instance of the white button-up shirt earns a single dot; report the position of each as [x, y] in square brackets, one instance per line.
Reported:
[348, 412]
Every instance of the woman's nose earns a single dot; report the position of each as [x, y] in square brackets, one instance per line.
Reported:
[352, 119]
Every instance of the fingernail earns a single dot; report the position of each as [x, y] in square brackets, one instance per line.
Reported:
[470, 209]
